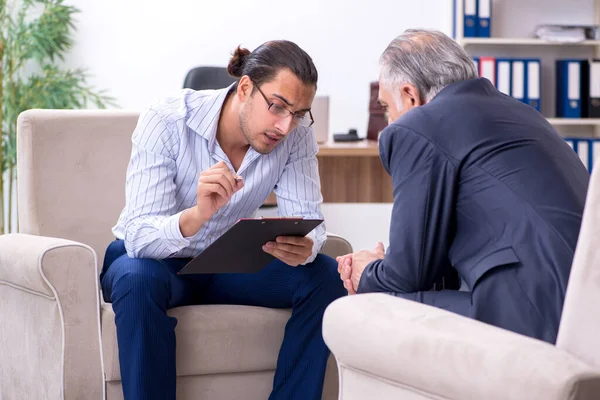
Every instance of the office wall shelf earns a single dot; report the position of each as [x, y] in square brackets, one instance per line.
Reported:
[574, 121]
[521, 42]
[509, 39]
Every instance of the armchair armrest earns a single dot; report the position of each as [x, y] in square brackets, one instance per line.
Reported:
[336, 246]
[49, 319]
[383, 344]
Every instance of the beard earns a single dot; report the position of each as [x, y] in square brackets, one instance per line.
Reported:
[253, 140]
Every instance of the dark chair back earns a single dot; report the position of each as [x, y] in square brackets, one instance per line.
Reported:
[201, 78]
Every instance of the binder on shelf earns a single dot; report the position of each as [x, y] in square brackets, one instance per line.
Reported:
[570, 142]
[582, 147]
[533, 83]
[593, 89]
[476, 62]
[457, 18]
[484, 17]
[595, 153]
[584, 89]
[518, 80]
[587, 149]
[568, 88]
[487, 68]
[503, 75]
[470, 18]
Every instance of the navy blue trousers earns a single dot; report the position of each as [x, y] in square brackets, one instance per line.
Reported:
[142, 290]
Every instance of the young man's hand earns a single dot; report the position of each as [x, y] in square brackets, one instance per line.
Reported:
[216, 186]
[291, 250]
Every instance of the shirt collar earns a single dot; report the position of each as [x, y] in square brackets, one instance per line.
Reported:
[205, 120]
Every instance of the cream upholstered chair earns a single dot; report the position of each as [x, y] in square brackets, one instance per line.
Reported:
[390, 348]
[57, 341]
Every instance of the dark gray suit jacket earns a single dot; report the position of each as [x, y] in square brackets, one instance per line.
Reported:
[485, 185]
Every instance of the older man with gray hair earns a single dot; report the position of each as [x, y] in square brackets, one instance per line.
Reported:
[483, 185]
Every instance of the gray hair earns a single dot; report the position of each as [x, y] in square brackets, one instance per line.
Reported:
[427, 59]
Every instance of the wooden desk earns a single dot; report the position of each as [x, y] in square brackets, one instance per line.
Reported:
[352, 173]
[364, 148]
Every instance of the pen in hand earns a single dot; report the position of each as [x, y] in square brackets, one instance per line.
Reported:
[215, 189]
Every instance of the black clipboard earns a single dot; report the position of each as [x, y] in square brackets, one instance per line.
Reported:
[239, 250]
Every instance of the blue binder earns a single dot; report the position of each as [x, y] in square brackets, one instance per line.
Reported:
[470, 18]
[533, 82]
[590, 89]
[588, 151]
[583, 148]
[484, 16]
[570, 142]
[568, 88]
[503, 75]
[519, 87]
[594, 152]
[476, 62]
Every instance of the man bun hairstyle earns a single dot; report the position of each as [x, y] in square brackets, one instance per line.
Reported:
[263, 64]
[237, 62]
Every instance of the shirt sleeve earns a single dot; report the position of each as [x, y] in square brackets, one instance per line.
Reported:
[152, 224]
[424, 181]
[298, 190]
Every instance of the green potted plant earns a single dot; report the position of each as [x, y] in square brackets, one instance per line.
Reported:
[34, 37]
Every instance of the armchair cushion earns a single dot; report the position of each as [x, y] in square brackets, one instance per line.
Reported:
[387, 342]
[234, 338]
[212, 339]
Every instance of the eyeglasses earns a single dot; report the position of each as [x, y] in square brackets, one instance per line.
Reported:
[282, 112]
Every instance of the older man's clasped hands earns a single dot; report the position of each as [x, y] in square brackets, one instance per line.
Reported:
[351, 266]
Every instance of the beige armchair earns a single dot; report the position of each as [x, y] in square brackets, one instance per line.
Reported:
[57, 340]
[390, 348]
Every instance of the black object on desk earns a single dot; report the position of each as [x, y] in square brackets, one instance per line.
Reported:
[239, 250]
[351, 136]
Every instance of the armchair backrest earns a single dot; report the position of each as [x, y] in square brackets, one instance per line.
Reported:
[71, 167]
[580, 322]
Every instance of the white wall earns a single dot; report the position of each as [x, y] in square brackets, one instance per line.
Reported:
[140, 50]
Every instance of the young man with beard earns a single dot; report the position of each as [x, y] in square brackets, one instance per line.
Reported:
[200, 162]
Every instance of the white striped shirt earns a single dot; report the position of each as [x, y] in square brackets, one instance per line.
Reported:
[173, 143]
